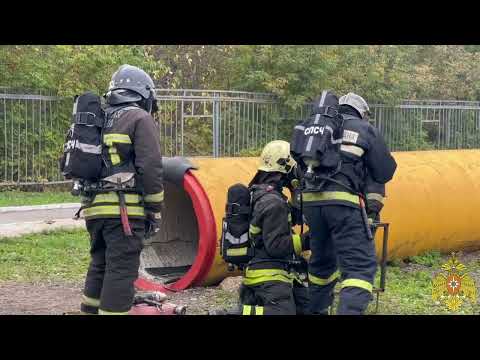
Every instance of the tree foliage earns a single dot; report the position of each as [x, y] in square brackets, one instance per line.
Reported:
[296, 73]
[71, 69]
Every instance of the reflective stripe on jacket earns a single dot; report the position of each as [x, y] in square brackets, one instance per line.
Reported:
[132, 146]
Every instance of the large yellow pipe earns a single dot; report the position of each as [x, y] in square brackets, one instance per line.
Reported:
[431, 202]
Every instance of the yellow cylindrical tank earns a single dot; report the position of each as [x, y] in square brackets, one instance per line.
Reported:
[431, 204]
[431, 201]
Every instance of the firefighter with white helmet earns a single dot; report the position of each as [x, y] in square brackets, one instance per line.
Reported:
[343, 169]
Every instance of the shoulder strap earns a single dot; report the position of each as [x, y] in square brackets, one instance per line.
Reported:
[112, 110]
[263, 191]
[328, 111]
[88, 118]
[349, 117]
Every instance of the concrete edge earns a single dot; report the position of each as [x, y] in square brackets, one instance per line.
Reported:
[12, 209]
[8, 231]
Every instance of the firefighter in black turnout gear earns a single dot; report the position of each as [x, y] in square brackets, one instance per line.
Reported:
[128, 198]
[269, 276]
[334, 205]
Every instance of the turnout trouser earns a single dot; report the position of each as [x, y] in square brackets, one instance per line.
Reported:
[302, 298]
[339, 237]
[268, 298]
[115, 259]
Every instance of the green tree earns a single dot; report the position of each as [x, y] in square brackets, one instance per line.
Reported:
[71, 69]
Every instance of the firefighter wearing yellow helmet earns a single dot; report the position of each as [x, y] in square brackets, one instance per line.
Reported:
[268, 284]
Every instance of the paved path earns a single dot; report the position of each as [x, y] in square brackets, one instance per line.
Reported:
[20, 220]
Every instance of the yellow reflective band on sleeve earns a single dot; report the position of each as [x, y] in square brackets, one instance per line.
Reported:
[357, 283]
[247, 310]
[237, 252]
[109, 139]
[158, 197]
[253, 277]
[290, 218]
[297, 244]
[106, 210]
[90, 301]
[375, 196]
[331, 195]
[254, 230]
[113, 198]
[104, 312]
[258, 310]
[323, 281]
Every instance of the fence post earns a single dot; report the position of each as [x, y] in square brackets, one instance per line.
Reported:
[216, 126]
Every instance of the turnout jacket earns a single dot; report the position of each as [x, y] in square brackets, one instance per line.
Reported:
[131, 148]
[272, 235]
[366, 163]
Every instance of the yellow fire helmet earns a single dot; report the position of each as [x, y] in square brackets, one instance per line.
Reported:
[276, 157]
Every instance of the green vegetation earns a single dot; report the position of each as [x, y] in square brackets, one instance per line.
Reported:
[409, 289]
[409, 293]
[296, 73]
[20, 198]
[430, 258]
[250, 152]
[57, 255]
[63, 255]
[383, 74]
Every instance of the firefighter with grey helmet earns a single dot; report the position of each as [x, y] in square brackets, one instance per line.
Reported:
[334, 194]
[126, 202]
[273, 272]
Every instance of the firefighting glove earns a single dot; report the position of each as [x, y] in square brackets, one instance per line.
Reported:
[373, 217]
[152, 223]
[373, 211]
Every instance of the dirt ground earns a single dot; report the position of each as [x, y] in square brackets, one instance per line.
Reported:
[46, 298]
[56, 298]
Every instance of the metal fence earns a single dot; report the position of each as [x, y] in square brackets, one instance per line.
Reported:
[428, 124]
[215, 123]
[32, 130]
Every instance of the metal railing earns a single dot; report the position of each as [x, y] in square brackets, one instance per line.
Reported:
[216, 123]
[429, 124]
[32, 130]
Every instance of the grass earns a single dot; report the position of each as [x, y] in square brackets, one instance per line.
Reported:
[408, 289]
[63, 255]
[19, 198]
[430, 258]
[57, 255]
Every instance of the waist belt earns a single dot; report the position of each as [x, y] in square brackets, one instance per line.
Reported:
[112, 210]
[331, 195]
[112, 197]
[112, 204]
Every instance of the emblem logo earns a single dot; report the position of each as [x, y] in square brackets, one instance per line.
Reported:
[453, 285]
